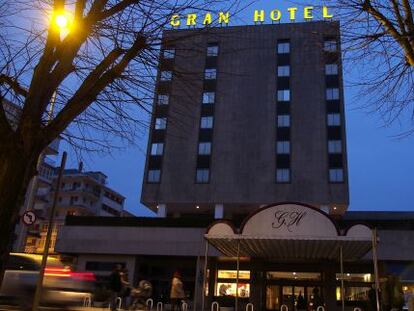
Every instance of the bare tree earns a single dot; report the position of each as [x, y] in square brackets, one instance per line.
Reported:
[95, 77]
[378, 40]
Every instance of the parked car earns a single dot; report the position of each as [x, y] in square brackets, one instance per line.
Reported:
[61, 285]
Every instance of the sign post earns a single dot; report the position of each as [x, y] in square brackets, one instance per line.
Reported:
[39, 284]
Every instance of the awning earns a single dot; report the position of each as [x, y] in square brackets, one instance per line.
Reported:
[290, 231]
[290, 248]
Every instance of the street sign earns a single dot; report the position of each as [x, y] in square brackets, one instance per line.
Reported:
[29, 218]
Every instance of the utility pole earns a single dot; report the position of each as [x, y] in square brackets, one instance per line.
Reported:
[39, 284]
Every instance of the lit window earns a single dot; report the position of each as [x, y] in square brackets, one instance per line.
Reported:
[202, 175]
[166, 75]
[331, 69]
[232, 274]
[334, 146]
[169, 53]
[283, 71]
[332, 94]
[204, 148]
[212, 50]
[160, 123]
[157, 149]
[283, 48]
[210, 74]
[206, 122]
[330, 46]
[283, 175]
[209, 97]
[283, 120]
[283, 147]
[229, 289]
[283, 95]
[154, 175]
[336, 175]
[162, 100]
[334, 119]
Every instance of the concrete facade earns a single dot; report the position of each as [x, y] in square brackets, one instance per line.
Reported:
[243, 156]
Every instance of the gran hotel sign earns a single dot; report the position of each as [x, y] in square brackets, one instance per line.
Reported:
[259, 16]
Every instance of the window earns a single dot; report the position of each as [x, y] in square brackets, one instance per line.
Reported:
[336, 175]
[202, 175]
[283, 95]
[283, 48]
[232, 274]
[283, 175]
[283, 71]
[334, 146]
[212, 50]
[166, 75]
[354, 293]
[283, 147]
[206, 122]
[283, 120]
[157, 149]
[162, 100]
[169, 53]
[355, 277]
[210, 74]
[332, 94]
[331, 69]
[330, 46]
[209, 97]
[281, 275]
[154, 175]
[334, 119]
[160, 123]
[204, 148]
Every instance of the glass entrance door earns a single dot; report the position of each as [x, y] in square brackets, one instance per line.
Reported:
[296, 298]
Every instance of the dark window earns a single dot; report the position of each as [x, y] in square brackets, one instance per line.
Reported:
[282, 161]
[283, 133]
[283, 108]
[334, 133]
[333, 106]
[203, 161]
[206, 135]
[335, 161]
[210, 85]
[283, 83]
[154, 162]
[211, 62]
[332, 81]
[102, 266]
[158, 136]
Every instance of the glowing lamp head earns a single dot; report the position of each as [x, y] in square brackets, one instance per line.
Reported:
[62, 21]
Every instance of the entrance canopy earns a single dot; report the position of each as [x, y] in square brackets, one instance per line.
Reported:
[290, 231]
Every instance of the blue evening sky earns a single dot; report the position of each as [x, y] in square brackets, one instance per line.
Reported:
[381, 166]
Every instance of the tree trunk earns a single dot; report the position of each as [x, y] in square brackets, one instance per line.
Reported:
[16, 170]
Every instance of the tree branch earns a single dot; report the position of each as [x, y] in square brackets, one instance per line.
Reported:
[116, 8]
[14, 85]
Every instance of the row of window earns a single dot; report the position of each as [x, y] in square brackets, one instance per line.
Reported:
[207, 117]
[283, 115]
[333, 119]
[160, 121]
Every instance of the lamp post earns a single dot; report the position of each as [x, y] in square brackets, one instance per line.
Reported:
[61, 22]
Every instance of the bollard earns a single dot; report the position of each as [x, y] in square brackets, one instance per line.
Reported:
[357, 309]
[118, 303]
[320, 308]
[87, 302]
[160, 306]
[184, 306]
[149, 303]
[215, 303]
[251, 307]
[284, 308]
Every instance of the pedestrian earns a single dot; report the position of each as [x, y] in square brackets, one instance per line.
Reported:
[126, 288]
[317, 300]
[177, 291]
[115, 285]
[301, 302]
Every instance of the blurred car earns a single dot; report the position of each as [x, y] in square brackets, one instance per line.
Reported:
[61, 285]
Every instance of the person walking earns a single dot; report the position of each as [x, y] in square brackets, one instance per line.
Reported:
[115, 285]
[177, 291]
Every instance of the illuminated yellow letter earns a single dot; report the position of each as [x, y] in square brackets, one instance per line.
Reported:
[326, 13]
[175, 20]
[275, 15]
[191, 19]
[207, 19]
[259, 16]
[224, 17]
[307, 12]
[292, 12]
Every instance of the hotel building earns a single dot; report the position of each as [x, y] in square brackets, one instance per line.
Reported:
[247, 170]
